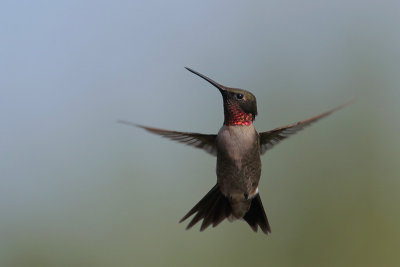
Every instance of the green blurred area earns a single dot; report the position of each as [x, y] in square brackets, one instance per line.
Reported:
[78, 189]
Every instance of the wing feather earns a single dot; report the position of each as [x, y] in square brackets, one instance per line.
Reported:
[271, 138]
[207, 142]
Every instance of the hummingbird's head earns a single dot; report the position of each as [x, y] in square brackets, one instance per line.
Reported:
[240, 106]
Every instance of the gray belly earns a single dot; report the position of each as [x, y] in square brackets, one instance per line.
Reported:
[238, 162]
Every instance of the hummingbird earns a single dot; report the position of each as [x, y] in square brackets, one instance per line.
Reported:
[238, 148]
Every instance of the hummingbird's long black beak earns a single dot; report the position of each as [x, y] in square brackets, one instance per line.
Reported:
[220, 87]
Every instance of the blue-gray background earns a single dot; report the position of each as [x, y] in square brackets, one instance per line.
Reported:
[79, 189]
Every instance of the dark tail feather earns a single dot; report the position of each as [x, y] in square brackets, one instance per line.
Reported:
[256, 216]
[213, 208]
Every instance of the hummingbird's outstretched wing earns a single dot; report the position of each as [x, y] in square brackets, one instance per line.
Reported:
[270, 138]
[206, 142]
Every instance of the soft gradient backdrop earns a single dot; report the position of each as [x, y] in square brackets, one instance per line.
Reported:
[79, 189]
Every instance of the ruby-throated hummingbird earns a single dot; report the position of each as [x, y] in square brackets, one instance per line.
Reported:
[238, 147]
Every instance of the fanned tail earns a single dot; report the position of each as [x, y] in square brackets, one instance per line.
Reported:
[256, 216]
[213, 208]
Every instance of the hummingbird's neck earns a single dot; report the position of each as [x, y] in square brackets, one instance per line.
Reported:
[234, 115]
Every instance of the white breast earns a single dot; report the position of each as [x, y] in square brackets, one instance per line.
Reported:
[236, 141]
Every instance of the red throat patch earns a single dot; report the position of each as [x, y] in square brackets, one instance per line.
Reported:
[234, 115]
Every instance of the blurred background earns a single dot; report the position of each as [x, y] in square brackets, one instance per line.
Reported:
[79, 189]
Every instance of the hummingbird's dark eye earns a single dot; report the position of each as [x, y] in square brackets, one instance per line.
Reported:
[239, 96]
